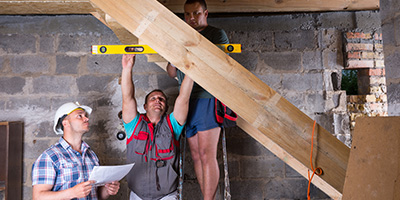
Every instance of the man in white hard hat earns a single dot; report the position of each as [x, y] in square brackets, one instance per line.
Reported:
[62, 171]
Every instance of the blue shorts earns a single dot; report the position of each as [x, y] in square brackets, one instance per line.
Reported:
[201, 116]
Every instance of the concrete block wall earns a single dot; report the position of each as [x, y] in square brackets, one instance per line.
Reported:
[46, 61]
[391, 47]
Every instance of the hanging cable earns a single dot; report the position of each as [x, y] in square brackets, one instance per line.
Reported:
[318, 171]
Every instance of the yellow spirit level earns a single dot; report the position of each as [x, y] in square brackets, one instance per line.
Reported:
[230, 48]
[122, 49]
[146, 49]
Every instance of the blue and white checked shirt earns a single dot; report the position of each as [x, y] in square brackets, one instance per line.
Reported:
[63, 167]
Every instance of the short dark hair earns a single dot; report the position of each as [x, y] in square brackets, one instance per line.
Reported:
[201, 2]
[158, 90]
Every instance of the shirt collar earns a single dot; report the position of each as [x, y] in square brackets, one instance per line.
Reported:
[65, 145]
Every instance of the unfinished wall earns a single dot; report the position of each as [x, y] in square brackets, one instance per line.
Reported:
[391, 47]
[46, 61]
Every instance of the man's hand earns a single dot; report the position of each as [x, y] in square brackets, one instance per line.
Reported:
[108, 189]
[82, 189]
[128, 60]
[112, 188]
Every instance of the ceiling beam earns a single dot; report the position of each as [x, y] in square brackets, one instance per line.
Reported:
[256, 103]
[257, 6]
[25, 7]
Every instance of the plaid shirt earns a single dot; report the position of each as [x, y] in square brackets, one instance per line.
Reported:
[63, 167]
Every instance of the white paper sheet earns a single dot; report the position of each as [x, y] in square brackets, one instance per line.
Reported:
[107, 174]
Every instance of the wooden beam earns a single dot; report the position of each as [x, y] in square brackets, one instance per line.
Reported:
[255, 6]
[259, 105]
[24, 7]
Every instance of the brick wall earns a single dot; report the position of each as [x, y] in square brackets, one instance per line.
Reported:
[364, 53]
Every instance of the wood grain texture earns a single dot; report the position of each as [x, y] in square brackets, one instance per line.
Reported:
[23, 7]
[259, 105]
[373, 171]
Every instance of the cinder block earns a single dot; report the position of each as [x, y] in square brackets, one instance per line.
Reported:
[279, 188]
[248, 189]
[303, 82]
[299, 40]
[17, 43]
[291, 173]
[2, 64]
[11, 85]
[282, 61]
[312, 60]
[77, 43]
[341, 123]
[53, 84]
[389, 35]
[165, 82]
[104, 64]
[30, 64]
[39, 104]
[252, 40]
[331, 38]
[261, 168]
[272, 80]
[33, 148]
[332, 59]
[392, 68]
[249, 60]
[246, 146]
[339, 20]
[46, 43]
[44, 129]
[315, 102]
[67, 64]
[88, 83]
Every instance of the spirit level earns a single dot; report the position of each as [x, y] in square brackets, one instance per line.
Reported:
[146, 49]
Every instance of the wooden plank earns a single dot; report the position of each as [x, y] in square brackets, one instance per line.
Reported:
[222, 76]
[24, 7]
[256, 6]
[374, 163]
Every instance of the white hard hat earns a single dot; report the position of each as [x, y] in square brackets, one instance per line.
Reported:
[65, 110]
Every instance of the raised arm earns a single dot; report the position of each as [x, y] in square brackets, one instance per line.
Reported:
[129, 105]
[171, 70]
[181, 107]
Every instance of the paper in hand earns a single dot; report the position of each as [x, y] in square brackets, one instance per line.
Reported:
[107, 174]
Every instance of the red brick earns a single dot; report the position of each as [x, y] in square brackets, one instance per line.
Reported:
[378, 36]
[358, 35]
[359, 64]
[368, 55]
[379, 47]
[359, 47]
[379, 55]
[354, 55]
[376, 72]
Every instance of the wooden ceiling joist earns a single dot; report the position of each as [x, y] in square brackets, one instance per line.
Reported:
[269, 118]
[25, 7]
[254, 6]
